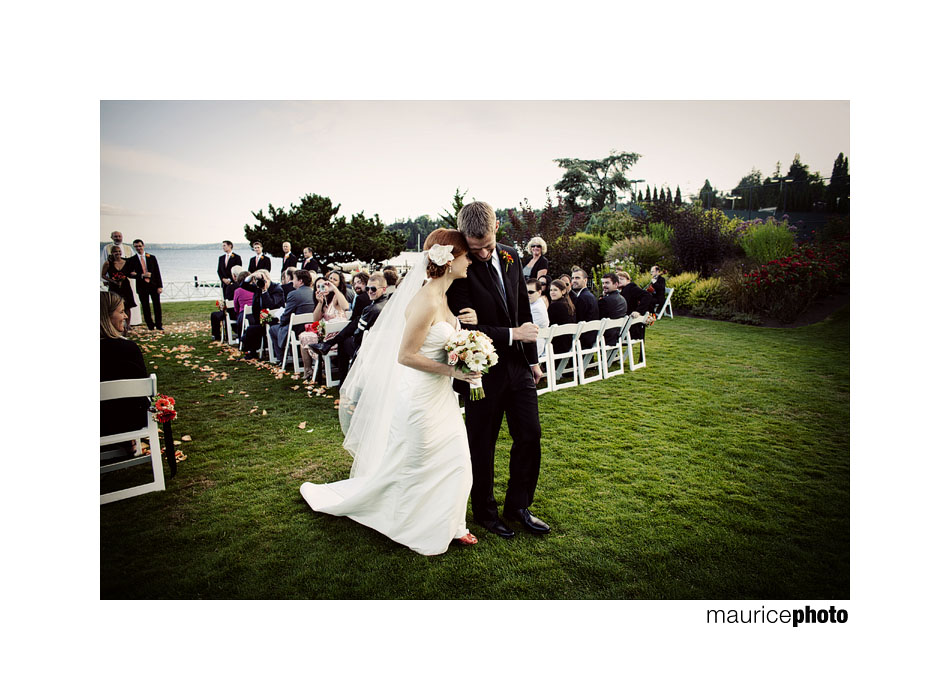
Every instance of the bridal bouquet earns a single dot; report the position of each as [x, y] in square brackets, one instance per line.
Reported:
[473, 352]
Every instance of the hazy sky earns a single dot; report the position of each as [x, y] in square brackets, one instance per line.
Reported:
[191, 172]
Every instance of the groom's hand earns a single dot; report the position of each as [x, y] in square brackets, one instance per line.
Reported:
[527, 332]
[468, 316]
[536, 371]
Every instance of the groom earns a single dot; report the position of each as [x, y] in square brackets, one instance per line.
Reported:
[496, 290]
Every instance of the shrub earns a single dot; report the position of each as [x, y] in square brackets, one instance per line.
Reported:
[642, 251]
[660, 231]
[767, 240]
[683, 284]
[785, 287]
[581, 249]
[614, 225]
[703, 239]
[708, 292]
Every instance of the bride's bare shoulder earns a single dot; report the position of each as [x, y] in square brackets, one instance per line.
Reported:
[423, 304]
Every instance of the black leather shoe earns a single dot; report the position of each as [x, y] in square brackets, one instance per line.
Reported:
[321, 348]
[498, 527]
[530, 522]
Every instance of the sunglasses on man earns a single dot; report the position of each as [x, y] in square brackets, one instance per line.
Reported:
[375, 289]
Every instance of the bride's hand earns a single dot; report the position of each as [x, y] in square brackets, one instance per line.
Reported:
[468, 316]
[469, 377]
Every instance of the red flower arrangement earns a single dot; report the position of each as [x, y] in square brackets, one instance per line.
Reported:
[164, 408]
[506, 256]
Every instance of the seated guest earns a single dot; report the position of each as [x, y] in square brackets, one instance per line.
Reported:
[392, 276]
[119, 358]
[331, 305]
[544, 286]
[337, 293]
[536, 264]
[267, 295]
[243, 296]
[566, 279]
[657, 288]
[299, 301]
[585, 305]
[360, 280]
[560, 313]
[217, 317]
[287, 281]
[539, 312]
[350, 338]
[612, 305]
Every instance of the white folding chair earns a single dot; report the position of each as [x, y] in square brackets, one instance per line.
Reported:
[292, 344]
[559, 363]
[612, 353]
[544, 335]
[228, 305]
[271, 355]
[632, 342]
[125, 389]
[590, 356]
[331, 327]
[667, 307]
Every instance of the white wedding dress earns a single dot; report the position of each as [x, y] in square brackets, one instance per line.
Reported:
[416, 491]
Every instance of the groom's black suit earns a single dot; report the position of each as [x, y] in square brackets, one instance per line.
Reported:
[509, 387]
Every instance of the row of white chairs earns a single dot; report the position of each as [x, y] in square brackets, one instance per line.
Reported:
[570, 368]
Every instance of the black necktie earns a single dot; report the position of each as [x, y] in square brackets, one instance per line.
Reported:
[497, 280]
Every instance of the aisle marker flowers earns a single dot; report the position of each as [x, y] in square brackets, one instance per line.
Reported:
[164, 408]
[472, 351]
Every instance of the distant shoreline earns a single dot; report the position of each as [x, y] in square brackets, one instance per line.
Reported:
[173, 246]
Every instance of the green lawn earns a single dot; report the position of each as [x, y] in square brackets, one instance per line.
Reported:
[720, 470]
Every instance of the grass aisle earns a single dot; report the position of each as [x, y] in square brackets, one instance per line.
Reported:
[720, 470]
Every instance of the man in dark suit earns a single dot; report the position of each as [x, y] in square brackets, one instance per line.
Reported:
[225, 263]
[612, 305]
[260, 261]
[585, 305]
[143, 267]
[290, 260]
[299, 301]
[309, 262]
[495, 289]
[657, 287]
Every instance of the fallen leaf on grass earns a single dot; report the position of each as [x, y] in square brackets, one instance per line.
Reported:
[253, 410]
[310, 431]
[302, 425]
[263, 413]
[186, 438]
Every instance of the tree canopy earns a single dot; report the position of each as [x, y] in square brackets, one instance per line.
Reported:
[314, 223]
[590, 185]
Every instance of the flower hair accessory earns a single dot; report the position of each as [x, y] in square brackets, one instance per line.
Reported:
[440, 254]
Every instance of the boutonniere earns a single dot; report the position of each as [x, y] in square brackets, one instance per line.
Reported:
[506, 256]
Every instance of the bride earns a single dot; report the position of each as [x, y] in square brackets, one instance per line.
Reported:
[411, 473]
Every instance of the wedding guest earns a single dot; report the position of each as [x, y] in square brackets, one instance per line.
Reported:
[290, 260]
[243, 296]
[148, 283]
[331, 305]
[226, 263]
[539, 312]
[536, 264]
[299, 301]
[116, 276]
[310, 262]
[560, 313]
[360, 280]
[119, 358]
[566, 279]
[267, 295]
[287, 281]
[585, 305]
[260, 261]
[116, 237]
[612, 305]
[351, 337]
[657, 288]
[392, 276]
[336, 278]
[633, 294]
[217, 317]
[544, 286]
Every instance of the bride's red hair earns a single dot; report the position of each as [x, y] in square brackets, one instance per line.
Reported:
[444, 236]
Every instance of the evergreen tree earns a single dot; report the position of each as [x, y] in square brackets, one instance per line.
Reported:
[669, 195]
[678, 201]
[655, 199]
[662, 195]
[639, 197]
[840, 185]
